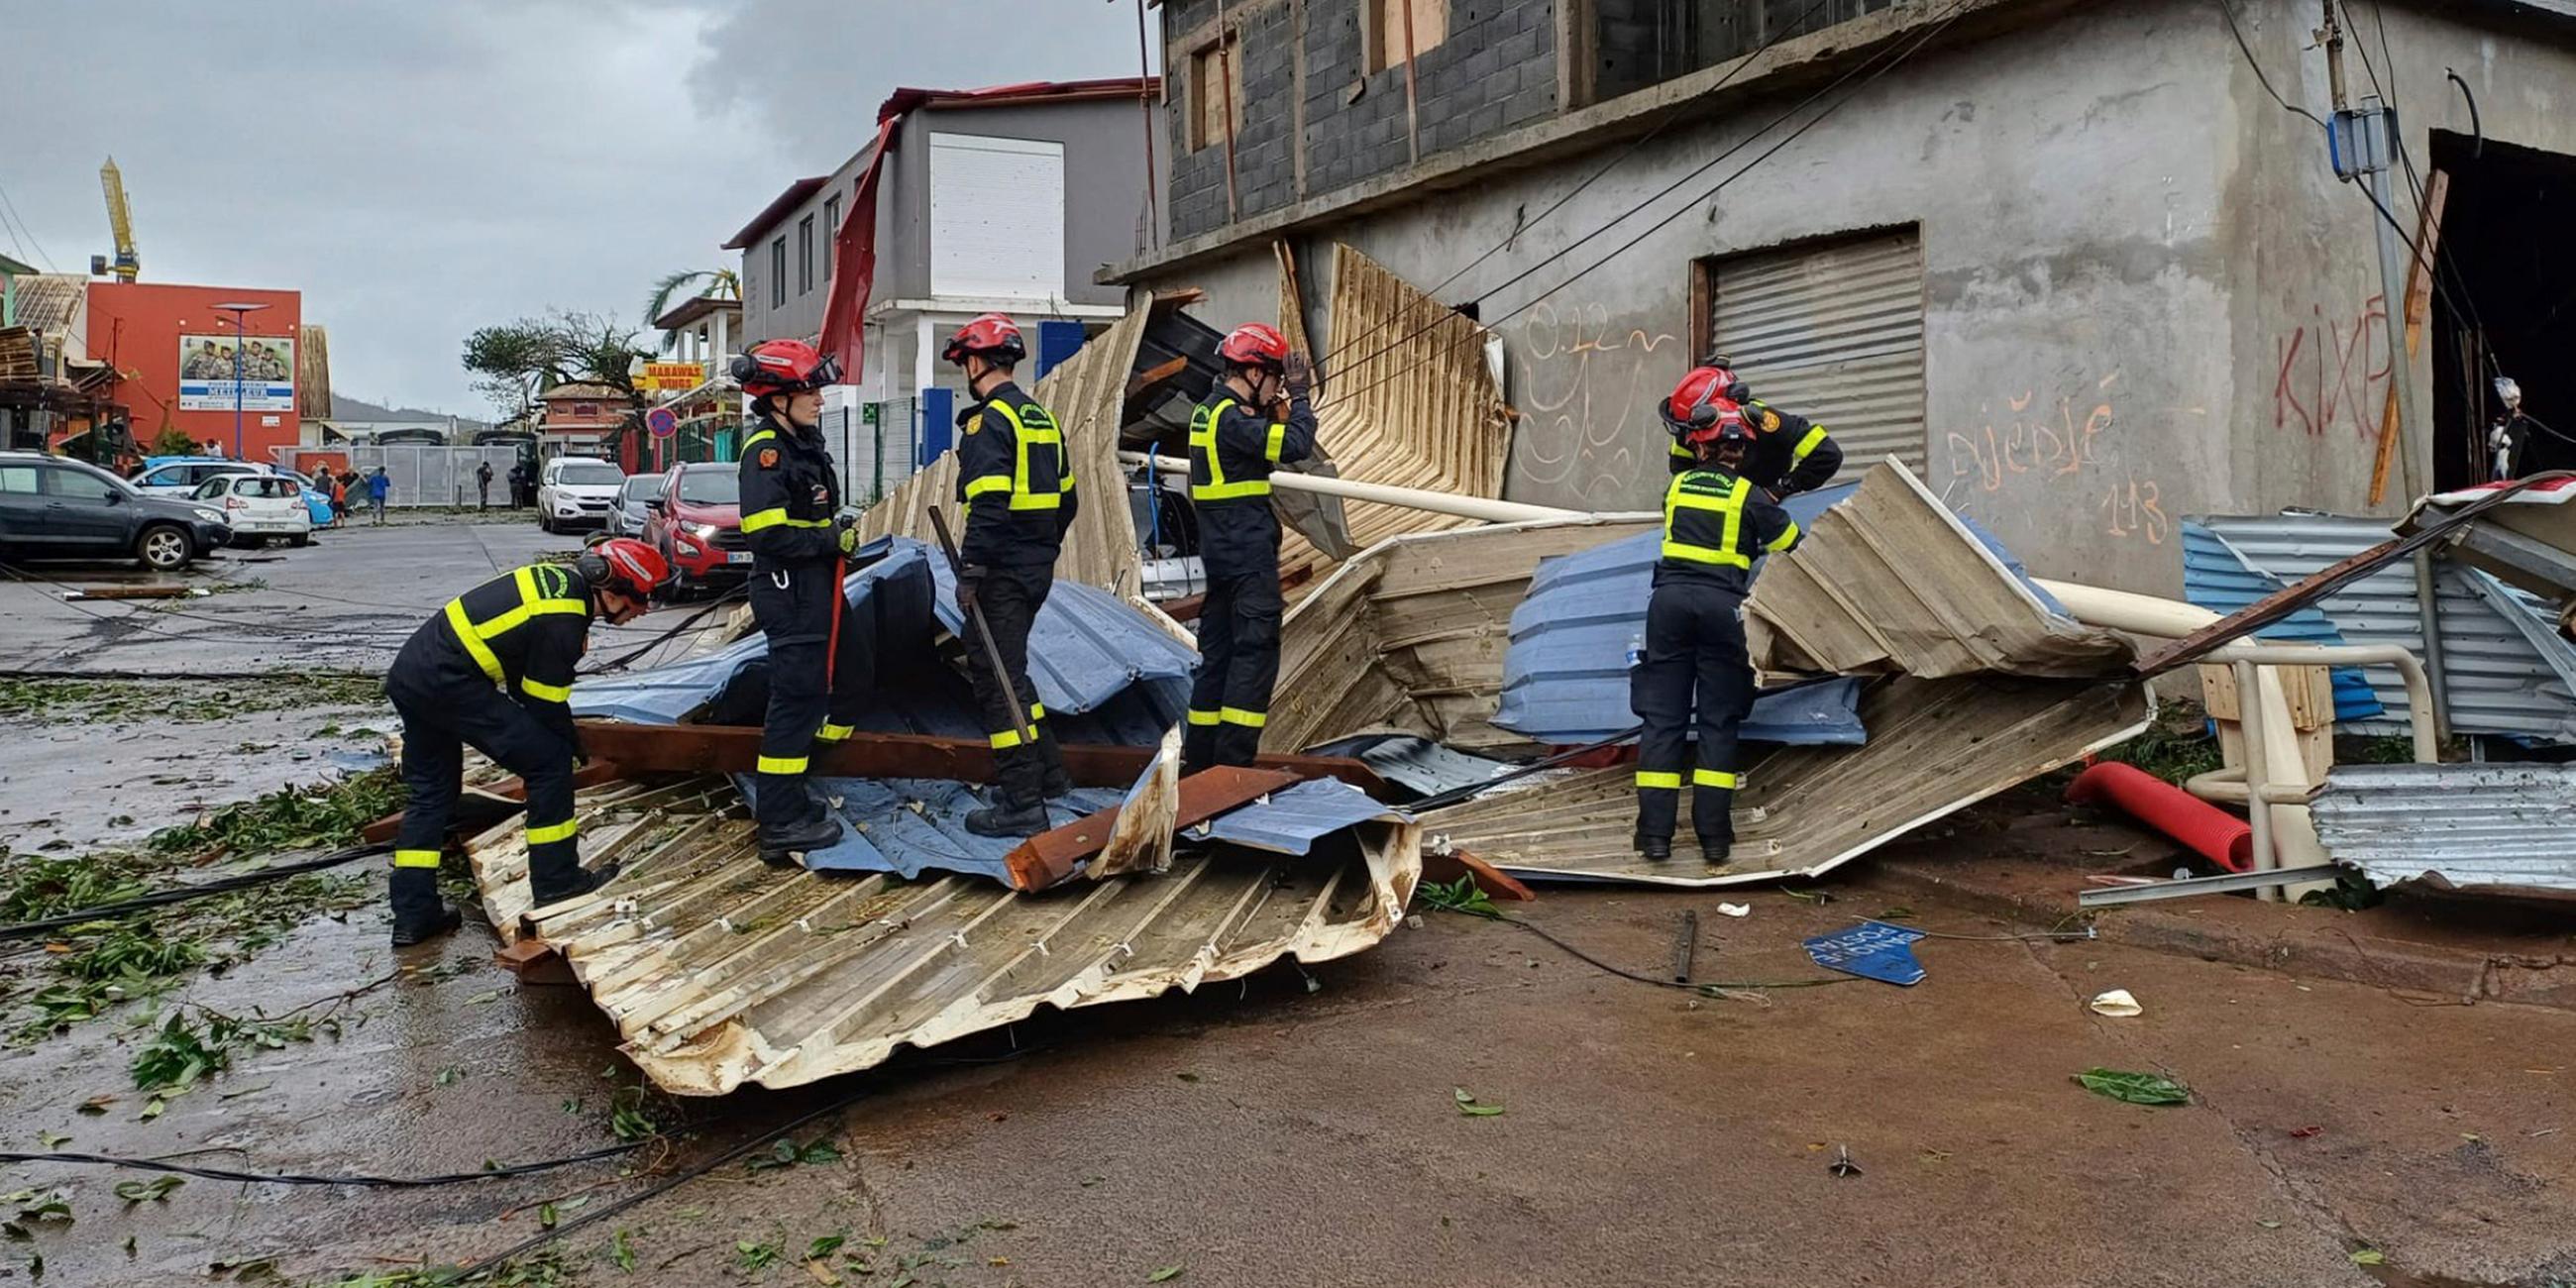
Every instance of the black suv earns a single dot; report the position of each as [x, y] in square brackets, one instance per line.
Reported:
[52, 507]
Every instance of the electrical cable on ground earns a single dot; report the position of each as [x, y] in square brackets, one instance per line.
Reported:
[299, 1178]
[1624, 973]
[182, 894]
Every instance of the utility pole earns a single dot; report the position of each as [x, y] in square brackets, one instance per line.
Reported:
[2363, 143]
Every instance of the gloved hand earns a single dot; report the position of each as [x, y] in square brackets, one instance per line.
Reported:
[1299, 375]
[969, 576]
[849, 539]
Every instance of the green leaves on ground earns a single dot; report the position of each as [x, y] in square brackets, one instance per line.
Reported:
[2135, 1088]
[182, 1051]
[69, 701]
[621, 1253]
[150, 1191]
[295, 818]
[1164, 1274]
[626, 1116]
[787, 1153]
[2369, 1257]
[754, 1256]
[1467, 1104]
[1461, 895]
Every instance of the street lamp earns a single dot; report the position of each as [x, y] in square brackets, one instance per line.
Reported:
[239, 342]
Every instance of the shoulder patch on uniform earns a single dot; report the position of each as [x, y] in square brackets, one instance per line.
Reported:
[975, 423]
[1770, 420]
[768, 458]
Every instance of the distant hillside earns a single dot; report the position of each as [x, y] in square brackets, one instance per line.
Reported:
[344, 407]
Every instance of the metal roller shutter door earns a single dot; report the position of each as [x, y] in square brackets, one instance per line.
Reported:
[1833, 333]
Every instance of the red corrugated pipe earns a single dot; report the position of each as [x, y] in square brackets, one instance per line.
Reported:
[2211, 832]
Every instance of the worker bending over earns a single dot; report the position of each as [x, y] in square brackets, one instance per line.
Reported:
[494, 671]
[1255, 419]
[1016, 483]
[1790, 453]
[819, 673]
[1714, 521]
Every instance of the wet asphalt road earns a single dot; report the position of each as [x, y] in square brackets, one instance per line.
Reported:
[1263, 1134]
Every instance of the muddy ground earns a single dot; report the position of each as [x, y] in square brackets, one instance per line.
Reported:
[1266, 1134]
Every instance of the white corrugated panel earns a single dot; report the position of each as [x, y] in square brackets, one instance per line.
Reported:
[1833, 333]
[2504, 668]
[996, 217]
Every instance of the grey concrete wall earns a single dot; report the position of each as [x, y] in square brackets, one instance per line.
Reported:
[2309, 321]
[802, 315]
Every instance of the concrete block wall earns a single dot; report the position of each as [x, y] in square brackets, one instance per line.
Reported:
[1497, 69]
[1348, 140]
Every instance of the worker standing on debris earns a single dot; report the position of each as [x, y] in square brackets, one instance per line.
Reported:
[1715, 519]
[522, 632]
[1015, 480]
[1256, 419]
[819, 673]
[1791, 454]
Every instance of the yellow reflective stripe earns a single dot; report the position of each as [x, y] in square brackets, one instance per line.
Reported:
[1658, 778]
[1248, 719]
[833, 732]
[1788, 537]
[553, 832]
[475, 648]
[415, 858]
[543, 691]
[776, 517]
[1005, 740]
[1037, 711]
[1715, 778]
[1204, 717]
[1729, 553]
[1203, 425]
[759, 436]
[1277, 442]
[988, 483]
[781, 765]
[532, 603]
[1041, 431]
[1683, 452]
[1806, 446]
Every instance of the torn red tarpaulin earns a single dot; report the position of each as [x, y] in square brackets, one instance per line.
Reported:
[854, 243]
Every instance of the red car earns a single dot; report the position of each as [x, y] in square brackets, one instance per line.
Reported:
[696, 523]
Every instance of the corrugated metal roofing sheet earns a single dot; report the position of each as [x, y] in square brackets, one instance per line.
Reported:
[2499, 680]
[719, 970]
[2217, 578]
[1292, 820]
[2468, 826]
[1414, 763]
[912, 825]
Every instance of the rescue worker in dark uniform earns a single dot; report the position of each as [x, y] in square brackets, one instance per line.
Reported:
[1255, 419]
[1791, 454]
[494, 671]
[1015, 480]
[1715, 521]
[819, 673]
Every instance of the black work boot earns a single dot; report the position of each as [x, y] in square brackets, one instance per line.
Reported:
[420, 915]
[1007, 817]
[544, 893]
[1059, 783]
[1655, 848]
[779, 846]
[1716, 849]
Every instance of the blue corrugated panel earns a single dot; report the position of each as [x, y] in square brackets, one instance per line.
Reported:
[912, 825]
[1291, 820]
[2216, 577]
[1565, 680]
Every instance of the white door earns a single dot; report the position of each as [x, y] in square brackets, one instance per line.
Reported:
[996, 218]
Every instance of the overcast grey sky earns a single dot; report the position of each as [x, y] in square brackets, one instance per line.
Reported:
[421, 169]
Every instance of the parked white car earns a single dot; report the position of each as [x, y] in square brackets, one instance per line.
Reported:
[182, 477]
[577, 491]
[261, 507]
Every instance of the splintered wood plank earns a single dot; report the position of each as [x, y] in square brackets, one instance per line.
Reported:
[1049, 857]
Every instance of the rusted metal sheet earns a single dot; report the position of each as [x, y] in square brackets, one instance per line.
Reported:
[1410, 636]
[1134, 837]
[1889, 582]
[720, 971]
[1406, 398]
[1935, 747]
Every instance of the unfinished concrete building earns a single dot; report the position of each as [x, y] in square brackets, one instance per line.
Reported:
[2072, 263]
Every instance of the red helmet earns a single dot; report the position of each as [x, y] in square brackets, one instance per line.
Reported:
[625, 565]
[992, 336]
[1729, 426]
[784, 367]
[1254, 344]
[1695, 400]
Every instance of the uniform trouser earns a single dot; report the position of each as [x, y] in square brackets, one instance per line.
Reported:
[1238, 666]
[1694, 650]
[441, 719]
[805, 706]
[1010, 599]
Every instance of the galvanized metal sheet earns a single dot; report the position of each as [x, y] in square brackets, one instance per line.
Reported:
[1292, 821]
[2494, 826]
[1416, 764]
[2499, 679]
[720, 971]
[2216, 577]
[909, 826]
[1834, 333]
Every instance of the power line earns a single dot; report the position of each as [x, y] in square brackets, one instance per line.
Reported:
[12, 208]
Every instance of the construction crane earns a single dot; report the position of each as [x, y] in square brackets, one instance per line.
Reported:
[120, 220]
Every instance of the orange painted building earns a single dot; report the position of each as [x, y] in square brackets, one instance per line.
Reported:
[174, 352]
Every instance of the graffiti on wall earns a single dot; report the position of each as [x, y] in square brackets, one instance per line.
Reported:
[1587, 397]
[2048, 449]
[2326, 379]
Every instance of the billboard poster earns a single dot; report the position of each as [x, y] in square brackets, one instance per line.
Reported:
[206, 373]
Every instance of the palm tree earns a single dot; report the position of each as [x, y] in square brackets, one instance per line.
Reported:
[720, 283]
